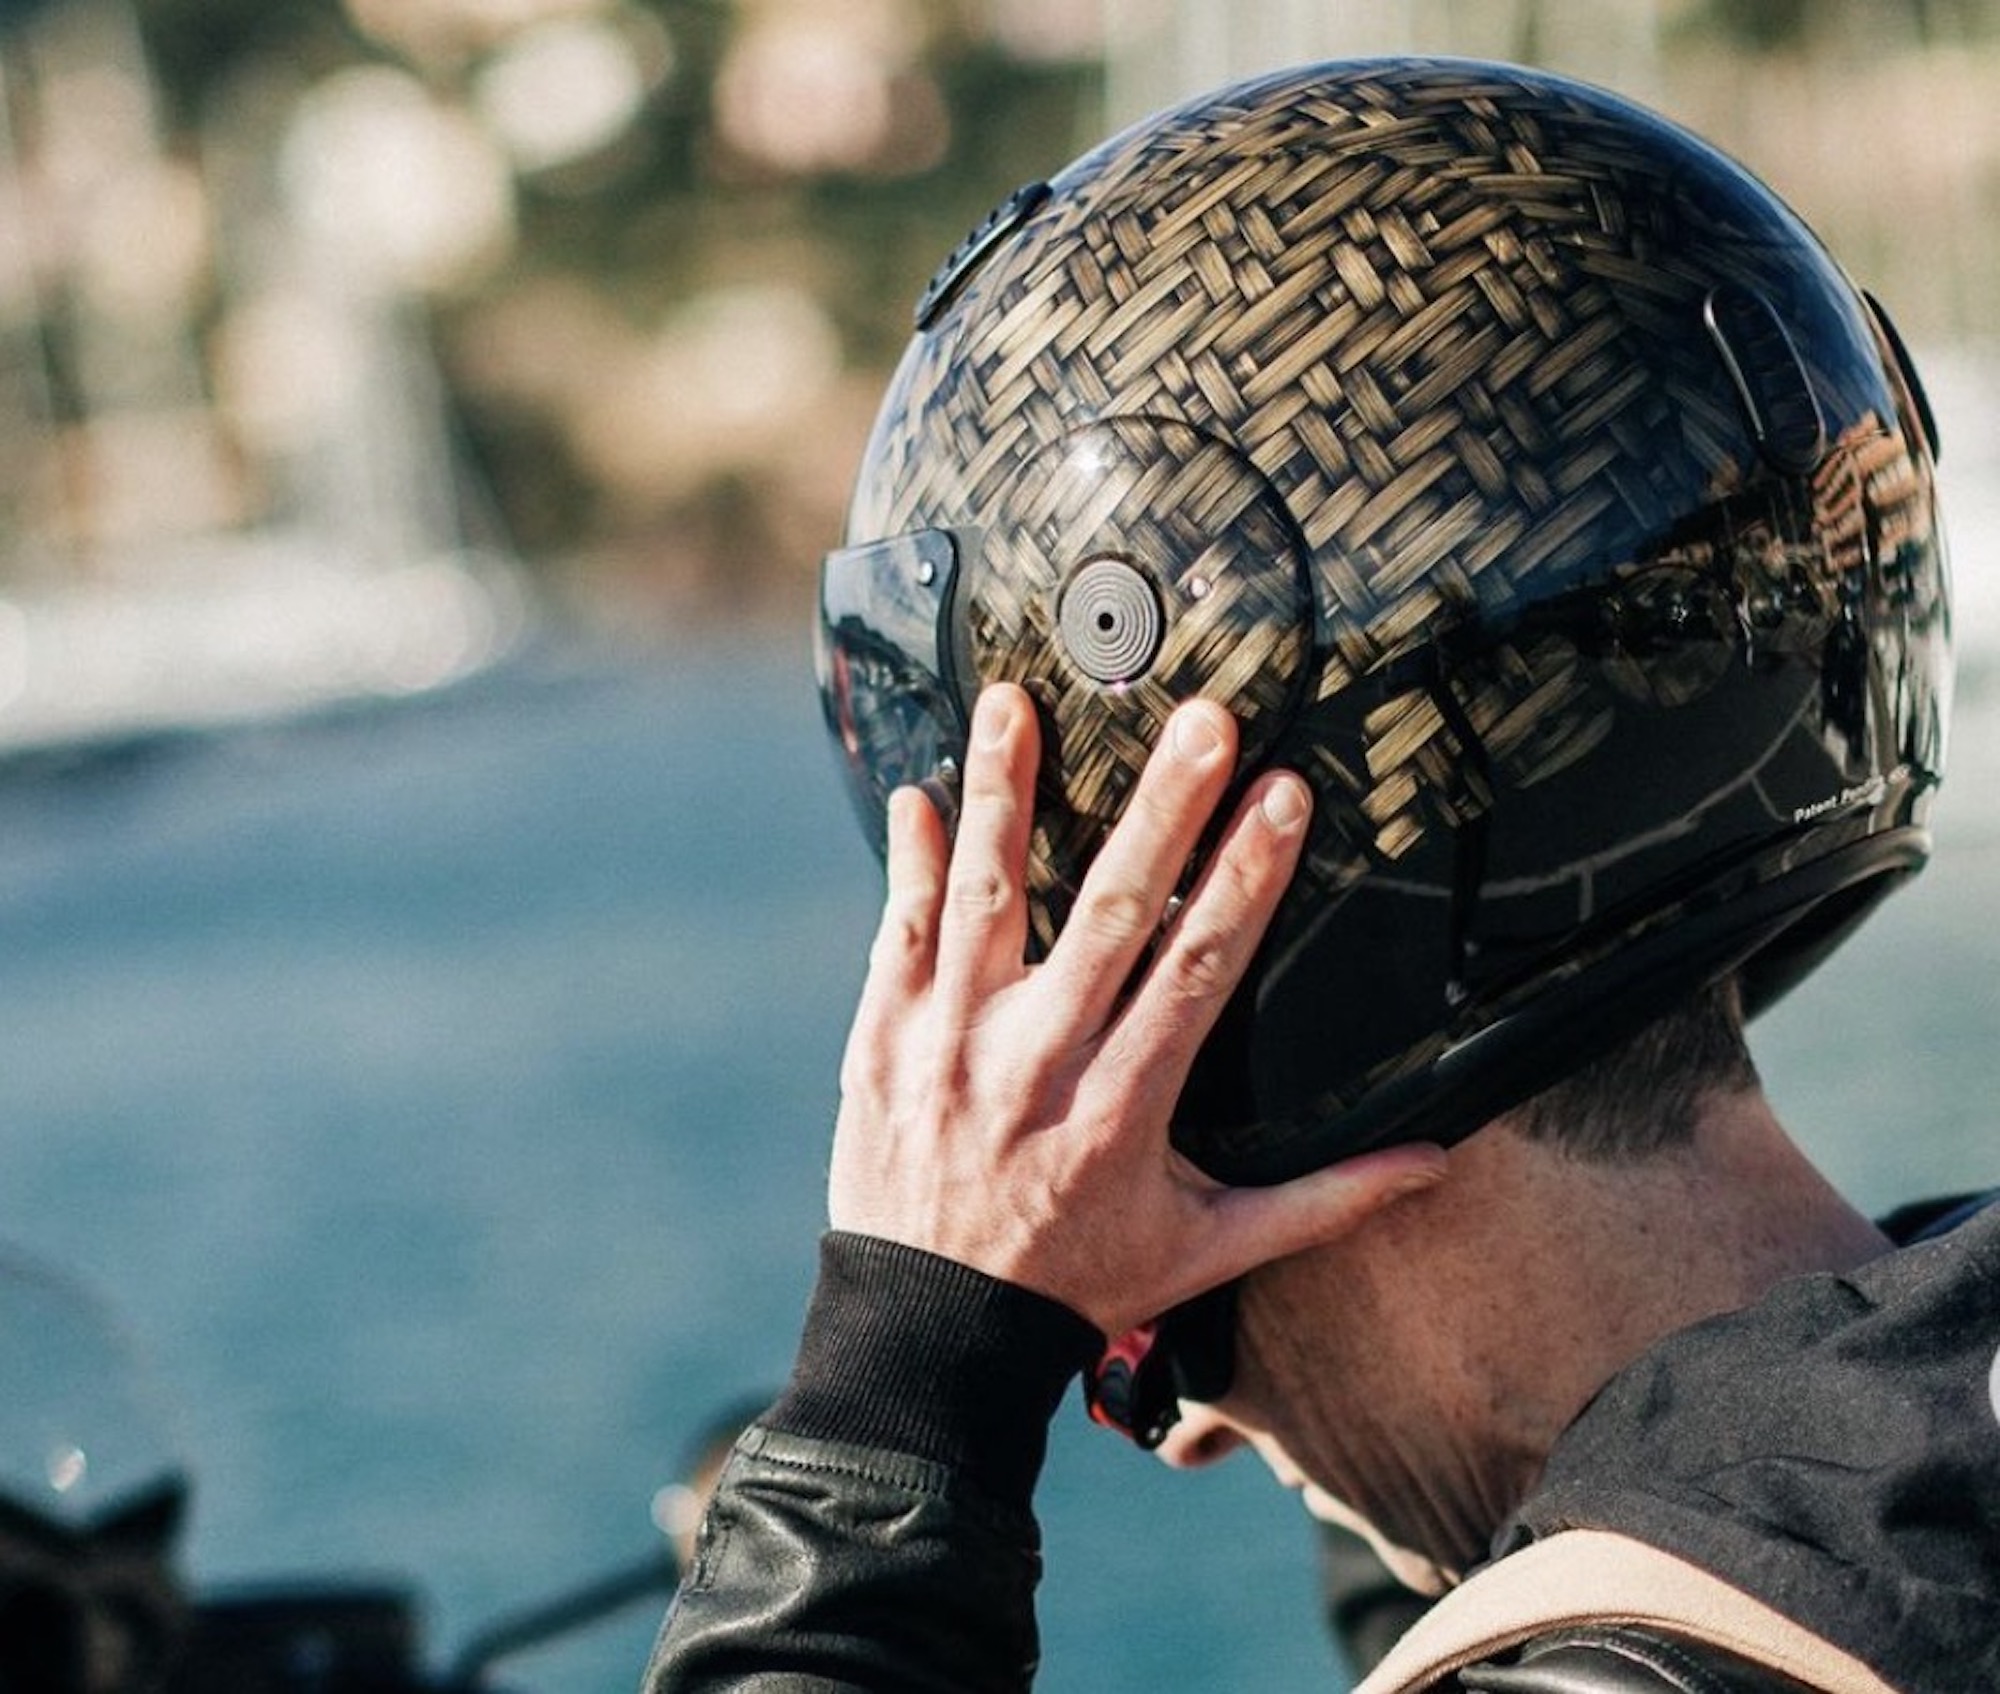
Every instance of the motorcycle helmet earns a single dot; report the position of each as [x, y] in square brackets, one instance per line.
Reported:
[1514, 466]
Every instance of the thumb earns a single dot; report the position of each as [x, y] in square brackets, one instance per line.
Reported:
[1263, 1224]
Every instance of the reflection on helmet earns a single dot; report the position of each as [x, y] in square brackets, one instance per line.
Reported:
[1514, 466]
[91, 1497]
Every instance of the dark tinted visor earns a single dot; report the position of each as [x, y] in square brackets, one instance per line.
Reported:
[885, 670]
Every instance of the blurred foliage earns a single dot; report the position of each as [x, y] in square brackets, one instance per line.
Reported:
[200, 45]
[1772, 26]
[671, 212]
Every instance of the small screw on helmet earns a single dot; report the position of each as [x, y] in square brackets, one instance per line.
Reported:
[1514, 466]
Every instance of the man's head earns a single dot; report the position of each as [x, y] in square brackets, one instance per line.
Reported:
[1410, 1378]
[1514, 467]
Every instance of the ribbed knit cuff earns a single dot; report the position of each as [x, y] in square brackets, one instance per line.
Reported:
[919, 1354]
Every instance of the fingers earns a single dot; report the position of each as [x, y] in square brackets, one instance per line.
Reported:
[1254, 1226]
[904, 953]
[1216, 934]
[906, 940]
[979, 1120]
[984, 930]
[1118, 910]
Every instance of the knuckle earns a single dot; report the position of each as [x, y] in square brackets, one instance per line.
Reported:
[1114, 917]
[988, 781]
[979, 891]
[904, 936]
[991, 797]
[1202, 966]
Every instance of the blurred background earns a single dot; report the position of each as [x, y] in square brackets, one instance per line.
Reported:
[428, 920]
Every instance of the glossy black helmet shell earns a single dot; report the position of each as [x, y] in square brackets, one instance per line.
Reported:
[1517, 468]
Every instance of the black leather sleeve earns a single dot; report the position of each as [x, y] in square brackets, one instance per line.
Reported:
[823, 1566]
[1623, 1661]
[873, 1530]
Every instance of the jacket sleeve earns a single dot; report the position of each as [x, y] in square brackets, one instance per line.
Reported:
[874, 1529]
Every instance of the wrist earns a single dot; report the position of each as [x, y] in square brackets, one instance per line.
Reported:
[916, 1353]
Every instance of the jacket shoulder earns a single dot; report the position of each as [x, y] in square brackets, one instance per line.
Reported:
[1623, 1661]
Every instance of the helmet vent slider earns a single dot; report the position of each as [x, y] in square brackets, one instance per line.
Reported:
[974, 250]
[1769, 378]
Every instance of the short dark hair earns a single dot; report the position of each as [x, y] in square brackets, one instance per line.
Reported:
[1644, 1096]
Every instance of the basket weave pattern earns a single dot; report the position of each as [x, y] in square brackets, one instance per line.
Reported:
[1376, 372]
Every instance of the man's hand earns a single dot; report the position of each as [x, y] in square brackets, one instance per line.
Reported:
[1014, 1117]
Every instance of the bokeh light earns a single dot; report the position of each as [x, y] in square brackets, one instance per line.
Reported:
[392, 187]
[564, 89]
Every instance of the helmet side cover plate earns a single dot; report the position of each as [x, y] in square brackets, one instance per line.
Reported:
[1613, 643]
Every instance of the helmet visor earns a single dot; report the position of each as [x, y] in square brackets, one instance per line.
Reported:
[884, 671]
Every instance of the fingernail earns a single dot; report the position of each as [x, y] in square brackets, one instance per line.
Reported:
[992, 718]
[1285, 804]
[1195, 736]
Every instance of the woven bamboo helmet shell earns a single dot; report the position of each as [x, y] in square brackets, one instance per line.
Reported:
[1514, 466]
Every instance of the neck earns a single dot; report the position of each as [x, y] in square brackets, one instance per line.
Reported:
[1477, 1320]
